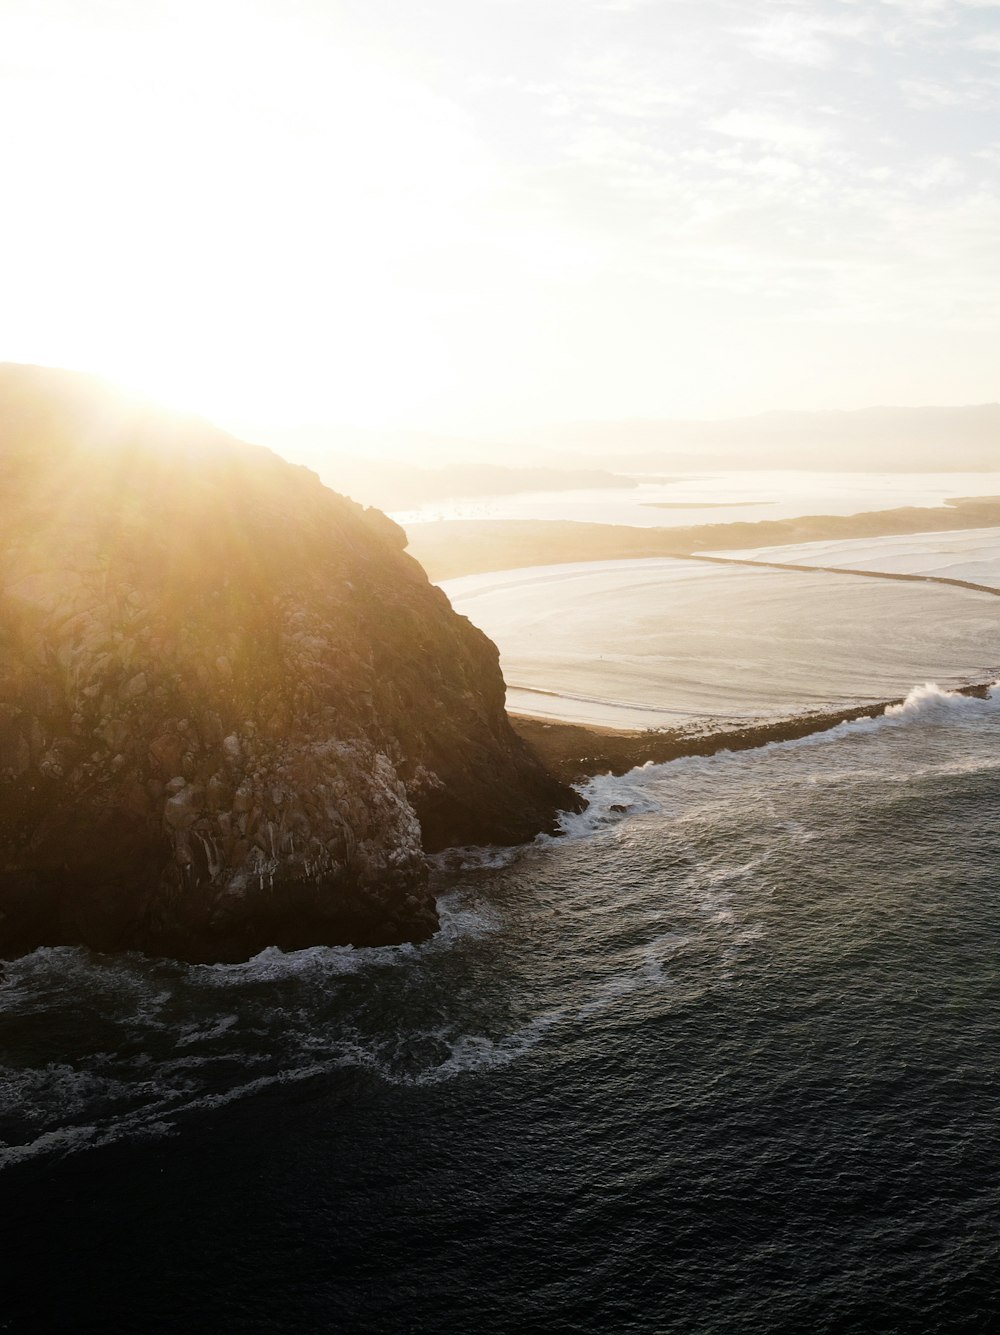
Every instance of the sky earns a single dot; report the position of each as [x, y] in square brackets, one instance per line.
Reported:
[471, 216]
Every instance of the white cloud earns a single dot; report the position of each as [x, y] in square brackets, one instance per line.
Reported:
[506, 186]
[790, 133]
[927, 93]
[805, 37]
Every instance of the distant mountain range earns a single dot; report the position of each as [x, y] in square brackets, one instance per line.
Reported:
[396, 486]
[403, 469]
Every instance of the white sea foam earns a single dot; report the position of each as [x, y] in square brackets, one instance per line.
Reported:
[171, 1092]
[461, 920]
[927, 704]
[610, 992]
[614, 799]
[306, 1026]
[156, 1118]
[61, 1092]
[610, 799]
[274, 965]
[930, 699]
[458, 920]
[490, 857]
[205, 1032]
[475, 1053]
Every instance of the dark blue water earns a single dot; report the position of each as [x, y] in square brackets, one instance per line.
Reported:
[725, 1063]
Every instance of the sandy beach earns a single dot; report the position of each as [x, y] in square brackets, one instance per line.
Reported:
[449, 548]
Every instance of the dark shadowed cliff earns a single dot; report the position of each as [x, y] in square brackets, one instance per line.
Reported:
[233, 711]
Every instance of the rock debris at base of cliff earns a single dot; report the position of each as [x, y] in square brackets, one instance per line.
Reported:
[233, 712]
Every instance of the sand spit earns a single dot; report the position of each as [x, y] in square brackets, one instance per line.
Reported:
[449, 548]
[576, 752]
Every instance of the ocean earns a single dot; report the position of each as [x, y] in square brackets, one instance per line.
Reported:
[720, 1058]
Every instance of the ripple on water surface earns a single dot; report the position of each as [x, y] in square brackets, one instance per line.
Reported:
[664, 643]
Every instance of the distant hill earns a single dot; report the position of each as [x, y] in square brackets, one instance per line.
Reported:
[395, 486]
[401, 470]
[932, 439]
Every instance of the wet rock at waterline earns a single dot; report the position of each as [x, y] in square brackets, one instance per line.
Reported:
[233, 712]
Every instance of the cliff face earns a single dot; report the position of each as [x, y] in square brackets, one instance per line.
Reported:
[233, 711]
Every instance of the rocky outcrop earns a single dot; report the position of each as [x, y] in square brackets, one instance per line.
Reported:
[233, 711]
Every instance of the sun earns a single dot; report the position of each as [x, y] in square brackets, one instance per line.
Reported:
[231, 216]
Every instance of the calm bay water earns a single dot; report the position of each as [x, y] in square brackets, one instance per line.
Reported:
[659, 642]
[716, 498]
[721, 1059]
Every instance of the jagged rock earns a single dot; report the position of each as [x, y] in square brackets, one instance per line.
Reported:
[233, 711]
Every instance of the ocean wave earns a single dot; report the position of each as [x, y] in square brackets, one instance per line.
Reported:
[474, 1053]
[77, 1101]
[155, 1119]
[488, 857]
[613, 799]
[928, 704]
[155, 1045]
[925, 704]
[273, 965]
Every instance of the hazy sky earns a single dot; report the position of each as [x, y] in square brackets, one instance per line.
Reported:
[464, 215]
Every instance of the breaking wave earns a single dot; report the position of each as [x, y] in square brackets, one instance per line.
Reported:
[613, 798]
[926, 704]
[157, 1040]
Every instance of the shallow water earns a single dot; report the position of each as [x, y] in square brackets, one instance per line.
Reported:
[717, 498]
[724, 1060]
[967, 554]
[666, 643]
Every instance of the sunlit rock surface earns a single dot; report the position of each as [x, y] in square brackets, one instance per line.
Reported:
[233, 712]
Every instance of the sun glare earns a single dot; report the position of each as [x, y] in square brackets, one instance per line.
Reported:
[463, 220]
[266, 218]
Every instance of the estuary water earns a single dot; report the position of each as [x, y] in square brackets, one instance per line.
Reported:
[671, 643]
[720, 1058]
[720, 497]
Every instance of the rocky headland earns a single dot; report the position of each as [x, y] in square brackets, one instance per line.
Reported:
[233, 711]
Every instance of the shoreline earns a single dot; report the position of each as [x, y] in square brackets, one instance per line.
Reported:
[575, 752]
[904, 576]
[449, 548]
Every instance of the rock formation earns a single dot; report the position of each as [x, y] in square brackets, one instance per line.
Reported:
[233, 711]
